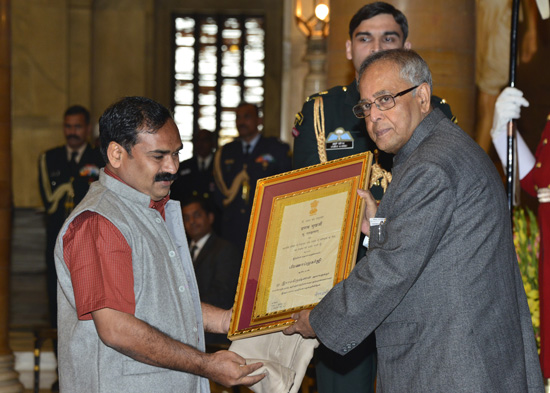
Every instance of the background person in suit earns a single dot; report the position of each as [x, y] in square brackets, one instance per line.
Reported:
[217, 262]
[239, 165]
[440, 284]
[65, 174]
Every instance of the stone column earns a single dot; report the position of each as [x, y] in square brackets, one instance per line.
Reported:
[316, 55]
[8, 376]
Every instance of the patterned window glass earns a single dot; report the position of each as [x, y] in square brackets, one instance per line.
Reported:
[218, 62]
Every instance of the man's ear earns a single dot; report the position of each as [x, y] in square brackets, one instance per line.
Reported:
[348, 50]
[407, 45]
[424, 95]
[114, 154]
[211, 218]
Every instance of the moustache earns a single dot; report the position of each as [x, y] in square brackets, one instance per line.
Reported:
[165, 176]
[73, 136]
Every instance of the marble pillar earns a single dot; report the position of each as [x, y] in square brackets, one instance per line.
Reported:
[316, 57]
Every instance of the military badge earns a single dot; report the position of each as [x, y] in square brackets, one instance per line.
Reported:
[339, 139]
[89, 170]
[265, 160]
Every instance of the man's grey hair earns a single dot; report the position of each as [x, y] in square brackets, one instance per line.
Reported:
[412, 67]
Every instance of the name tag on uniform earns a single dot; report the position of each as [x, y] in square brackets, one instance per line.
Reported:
[339, 139]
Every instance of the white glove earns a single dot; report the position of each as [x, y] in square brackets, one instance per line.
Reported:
[507, 107]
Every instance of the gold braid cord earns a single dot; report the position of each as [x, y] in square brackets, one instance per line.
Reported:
[319, 126]
[228, 193]
[379, 175]
[53, 198]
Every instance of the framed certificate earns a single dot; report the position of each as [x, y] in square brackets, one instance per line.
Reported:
[302, 240]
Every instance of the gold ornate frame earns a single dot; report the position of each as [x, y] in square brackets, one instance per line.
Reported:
[301, 241]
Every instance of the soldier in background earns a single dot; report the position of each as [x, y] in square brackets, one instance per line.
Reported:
[195, 175]
[65, 174]
[375, 27]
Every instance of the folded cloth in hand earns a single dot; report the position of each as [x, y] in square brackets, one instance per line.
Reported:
[285, 360]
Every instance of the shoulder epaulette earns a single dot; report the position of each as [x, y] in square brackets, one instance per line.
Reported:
[333, 90]
[313, 96]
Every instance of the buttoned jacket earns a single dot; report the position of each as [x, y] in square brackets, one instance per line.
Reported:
[166, 297]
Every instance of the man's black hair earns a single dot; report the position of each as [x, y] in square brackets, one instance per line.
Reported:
[256, 107]
[377, 8]
[205, 204]
[78, 110]
[123, 120]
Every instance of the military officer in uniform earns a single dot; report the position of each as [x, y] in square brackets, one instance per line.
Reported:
[238, 166]
[376, 26]
[195, 175]
[327, 129]
[65, 174]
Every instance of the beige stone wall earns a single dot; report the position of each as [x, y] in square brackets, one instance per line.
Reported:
[122, 51]
[70, 52]
[40, 87]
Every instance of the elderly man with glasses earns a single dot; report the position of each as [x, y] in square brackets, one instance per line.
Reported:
[326, 129]
[440, 285]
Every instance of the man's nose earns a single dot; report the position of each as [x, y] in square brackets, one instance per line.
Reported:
[171, 164]
[375, 113]
[375, 47]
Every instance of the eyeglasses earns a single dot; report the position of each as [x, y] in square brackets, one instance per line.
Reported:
[383, 103]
